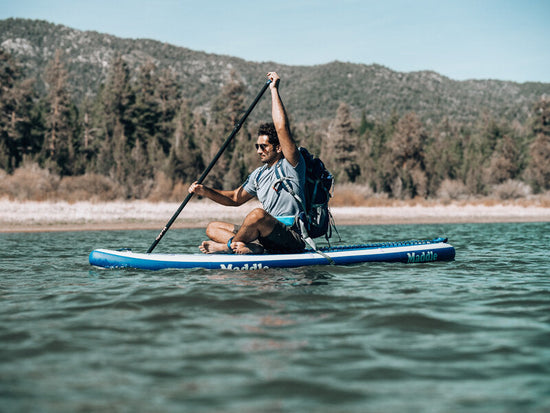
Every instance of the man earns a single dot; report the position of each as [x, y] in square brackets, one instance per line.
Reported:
[261, 229]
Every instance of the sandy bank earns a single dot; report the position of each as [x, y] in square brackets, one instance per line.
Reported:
[63, 216]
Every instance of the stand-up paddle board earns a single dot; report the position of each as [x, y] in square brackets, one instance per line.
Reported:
[409, 252]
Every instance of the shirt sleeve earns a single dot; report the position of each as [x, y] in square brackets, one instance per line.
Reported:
[250, 183]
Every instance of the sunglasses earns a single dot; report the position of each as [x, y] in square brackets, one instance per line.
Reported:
[262, 146]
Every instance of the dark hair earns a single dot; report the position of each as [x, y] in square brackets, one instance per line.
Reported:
[269, 130]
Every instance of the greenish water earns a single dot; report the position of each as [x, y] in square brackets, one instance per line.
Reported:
[471, 335]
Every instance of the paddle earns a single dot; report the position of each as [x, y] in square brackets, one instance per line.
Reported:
[209, 167]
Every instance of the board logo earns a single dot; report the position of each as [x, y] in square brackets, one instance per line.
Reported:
[255, 266]
[424, 257]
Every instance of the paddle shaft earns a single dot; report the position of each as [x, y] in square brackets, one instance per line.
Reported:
[209, 167]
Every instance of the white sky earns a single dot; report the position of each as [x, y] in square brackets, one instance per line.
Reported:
[461, 39]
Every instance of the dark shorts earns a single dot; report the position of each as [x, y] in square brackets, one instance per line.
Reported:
[283, 239]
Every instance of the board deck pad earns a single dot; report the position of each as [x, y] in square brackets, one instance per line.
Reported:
[408, 252]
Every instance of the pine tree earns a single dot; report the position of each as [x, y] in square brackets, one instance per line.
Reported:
[406, 158]
[60, 144]
[117, 98]
[472, 170]
[340, 151]
[539, 166]
[168, 93]
[113, 123]
[486, 149]
[145, 150]
[365, 125]
[538, 170]
[18, 119]
[444, 155]
[89, 139]
[185, 160]
[227, 109]
[504, 163]
[373, 151]
[146, 111]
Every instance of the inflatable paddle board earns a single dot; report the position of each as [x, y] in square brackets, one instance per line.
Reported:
[409, 252]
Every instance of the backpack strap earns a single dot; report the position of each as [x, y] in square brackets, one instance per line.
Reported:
[308, 240]
[284, 181]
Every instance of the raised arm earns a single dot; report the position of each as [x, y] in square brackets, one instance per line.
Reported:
[280, 120]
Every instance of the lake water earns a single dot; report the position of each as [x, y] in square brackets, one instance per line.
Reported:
[471, 335]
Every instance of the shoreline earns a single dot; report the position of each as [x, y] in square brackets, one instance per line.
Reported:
[50, 216]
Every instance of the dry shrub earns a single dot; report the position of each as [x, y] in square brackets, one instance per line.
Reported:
[417, 201]
[511, 189]
[162, 189]
[350, 195]
[397, 188]
[490, 202]
[89, 187]
[420, 182]
[378, 200]
[139, 187]
[29, 183]
[451, 189]
[179, 191]
[545, 200]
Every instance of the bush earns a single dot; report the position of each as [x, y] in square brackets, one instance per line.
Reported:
[511, 189]
[351, 195]
[29, 183]
[179, 192]
[89, 187]
[162, 188]
[451, 189]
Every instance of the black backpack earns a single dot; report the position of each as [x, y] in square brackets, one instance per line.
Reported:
[315, 213]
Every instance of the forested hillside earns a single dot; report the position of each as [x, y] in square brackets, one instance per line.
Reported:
[90, 113]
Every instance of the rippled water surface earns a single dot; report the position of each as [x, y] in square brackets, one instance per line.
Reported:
[470, 335]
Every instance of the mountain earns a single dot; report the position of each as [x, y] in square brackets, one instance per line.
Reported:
[310, 92]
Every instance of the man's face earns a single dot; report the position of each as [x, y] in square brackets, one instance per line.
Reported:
[268, 153]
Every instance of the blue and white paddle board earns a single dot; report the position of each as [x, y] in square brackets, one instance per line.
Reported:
[417, 251]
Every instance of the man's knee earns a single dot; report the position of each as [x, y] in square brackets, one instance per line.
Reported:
[211, 229]
[257, 215]
[261, 221]
[215, 227]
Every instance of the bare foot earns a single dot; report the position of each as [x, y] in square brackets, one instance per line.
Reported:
[242, 248]
[212, 247]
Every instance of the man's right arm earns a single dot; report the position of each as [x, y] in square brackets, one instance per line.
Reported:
[235, 197]
[280, 120]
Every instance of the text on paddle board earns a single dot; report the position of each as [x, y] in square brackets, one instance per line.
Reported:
[424, 257]
[255, 266]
